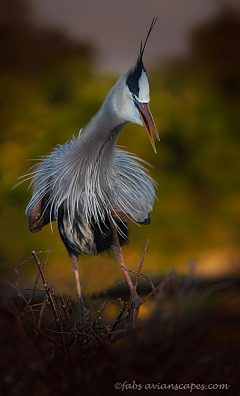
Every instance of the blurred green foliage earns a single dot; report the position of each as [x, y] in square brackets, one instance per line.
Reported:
[48, 91]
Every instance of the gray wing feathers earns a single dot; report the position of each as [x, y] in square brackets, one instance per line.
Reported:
[93, 189]
[135, 188]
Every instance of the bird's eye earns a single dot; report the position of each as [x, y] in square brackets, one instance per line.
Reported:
[134, 97]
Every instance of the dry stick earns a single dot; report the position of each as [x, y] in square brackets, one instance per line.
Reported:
[17, 281]
[32, 350]
[140, 267]
[41, 313]
[17, 284]
[25, 318]
[36, 282]
[136, 283]
[145, 276]
[93, 336]
[25, 261]
[123, 309]
[17, 278]
[37, 289]
[120, 333]
[104, 305]
[82, 332]
[67, 306]
[70, 304]
[65, 309]
[62, 314]
[13, 286]
[52, 300]
[41, 332]
[161, 284]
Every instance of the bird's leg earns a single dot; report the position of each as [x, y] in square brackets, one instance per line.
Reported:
[117, 250]
[74, 261]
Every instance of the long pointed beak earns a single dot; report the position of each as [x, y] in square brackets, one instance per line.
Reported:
[148, 121]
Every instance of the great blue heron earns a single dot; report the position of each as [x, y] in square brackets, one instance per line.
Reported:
[90, 187]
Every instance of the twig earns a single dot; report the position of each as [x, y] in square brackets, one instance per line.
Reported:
[134, 309]
[161, 284]
[71, 303]
[52, 300]
[104, 305]
[41, 313]
[65, 309]
[25, 261]
[36, 282]
[13, 286]
[140, 267]
[36, 290]
[41, 332]
[77, 332]
[22, 335]
[17, 284]
[17, 280]
[142, 274]
[117, 320]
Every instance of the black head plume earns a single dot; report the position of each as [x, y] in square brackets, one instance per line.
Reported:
[135, 74]
[142, 47]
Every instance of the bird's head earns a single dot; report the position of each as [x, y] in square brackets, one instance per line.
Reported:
[133, 96]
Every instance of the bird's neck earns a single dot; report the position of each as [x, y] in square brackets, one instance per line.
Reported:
[101, 134]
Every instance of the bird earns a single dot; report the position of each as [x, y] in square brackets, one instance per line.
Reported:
[91, 187]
